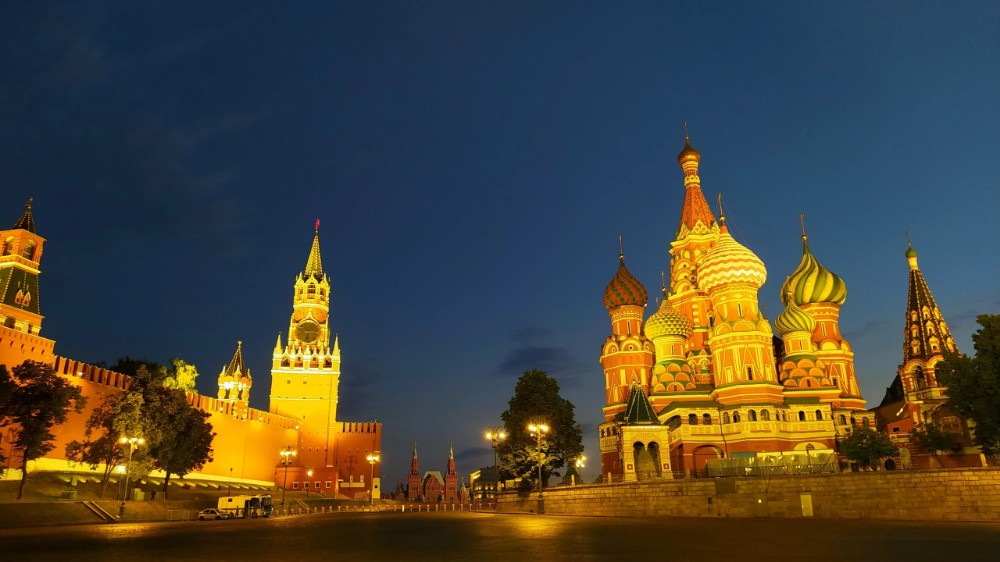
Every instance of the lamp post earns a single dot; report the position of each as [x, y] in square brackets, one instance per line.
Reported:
[230, 492]
[372, 459]
[580, 463]
[537, 429]
[496, 435]
[133, 443]
[309, 473]
[287, 454]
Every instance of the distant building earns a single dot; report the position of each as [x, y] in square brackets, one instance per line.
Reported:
[432, 486]
[699, 384]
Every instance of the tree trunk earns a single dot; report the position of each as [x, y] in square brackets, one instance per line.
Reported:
[166, 480]
[24, 474]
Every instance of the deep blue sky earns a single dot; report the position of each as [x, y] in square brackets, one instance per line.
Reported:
[473, 164]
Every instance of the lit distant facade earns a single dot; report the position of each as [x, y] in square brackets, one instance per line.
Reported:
[704, 377]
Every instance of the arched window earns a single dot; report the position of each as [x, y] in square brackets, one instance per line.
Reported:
[749, 373]
[765, 415]
[29, 250]
[753, 415]
[819, 415]
[854, 422]
[692, 419]
[802, 416]
[725, 418]
[843, 419]
[864, 423]
[8, 246]
[920, 379]
[706, 419]
[736, 417]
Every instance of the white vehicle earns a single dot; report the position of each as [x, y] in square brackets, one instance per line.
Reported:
[246, 506]
[211, 514]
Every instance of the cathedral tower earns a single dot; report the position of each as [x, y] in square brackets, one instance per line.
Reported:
[740, 336]
[235, 383]
[697, 234]
[925, 340]
[20, 315]
[305, 372]
[413, 488]
[627, 358]
[821, 293]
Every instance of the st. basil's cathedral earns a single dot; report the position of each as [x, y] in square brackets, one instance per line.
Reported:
[704, 378]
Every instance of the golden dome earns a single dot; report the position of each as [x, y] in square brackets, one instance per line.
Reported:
[666, 321]
[730, 262]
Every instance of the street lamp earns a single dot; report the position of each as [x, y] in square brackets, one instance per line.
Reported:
[230, 492]
[133, 443]
[496, 435]
[537, 429]
[580, 463]
[372, 458]
[287, 454]
[310, 475]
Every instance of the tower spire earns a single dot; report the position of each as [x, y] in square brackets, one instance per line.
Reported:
[314, 264]
[27, 220]
[695, 208]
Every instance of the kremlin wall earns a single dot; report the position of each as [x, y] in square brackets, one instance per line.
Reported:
[248, 441]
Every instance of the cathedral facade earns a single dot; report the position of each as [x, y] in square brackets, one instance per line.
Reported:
[704, 378]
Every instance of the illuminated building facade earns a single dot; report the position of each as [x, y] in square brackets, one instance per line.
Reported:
[700, 380]
[305, 377]
[432, 486]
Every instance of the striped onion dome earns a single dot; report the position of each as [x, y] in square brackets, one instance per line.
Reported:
[794, 319]
[666, 321]
[812, 283]
[624, 289]
[730, 262]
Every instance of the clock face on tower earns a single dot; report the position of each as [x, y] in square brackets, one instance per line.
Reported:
[307, 331]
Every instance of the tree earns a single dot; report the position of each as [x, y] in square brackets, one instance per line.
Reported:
[34, 398]
[182, 442]
[181, 375]
[866, 446]
[973, 383]
[178, 435]
[119, 415]
[536, 400]
[934, 439]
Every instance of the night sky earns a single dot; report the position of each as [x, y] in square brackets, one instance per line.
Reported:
[473, 164]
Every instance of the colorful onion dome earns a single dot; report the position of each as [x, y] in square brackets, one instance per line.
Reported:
[688, 154]
[812, 283]
[730, 262]
[624, 289]
[666, 321]
[794, 319]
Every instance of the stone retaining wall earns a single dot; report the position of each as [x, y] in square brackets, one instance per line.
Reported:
[955, 495]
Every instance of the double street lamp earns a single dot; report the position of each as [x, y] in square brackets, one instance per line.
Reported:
[133, 443]
[496, 435]
[372, 459]
[537, 429]
[287, 454]
[580, 463]
[308, 482]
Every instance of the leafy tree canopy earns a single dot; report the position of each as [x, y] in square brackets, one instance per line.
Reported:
[866, 446]
[536, 400]
[33, 398]
[182, 375]
[120, 415]
[974, 383]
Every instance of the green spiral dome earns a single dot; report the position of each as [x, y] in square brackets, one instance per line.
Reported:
[812, 283]
[794, 319]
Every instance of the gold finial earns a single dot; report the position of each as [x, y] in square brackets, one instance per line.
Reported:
[907, 233]
[28, 204]
[663, 283]
[621, 249]
[239, 343]
[719, 200]
[802, 224]
[317, 226]
[686, 137]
